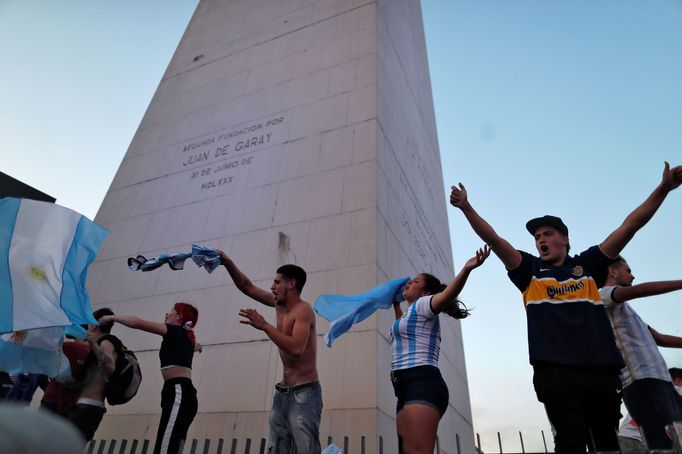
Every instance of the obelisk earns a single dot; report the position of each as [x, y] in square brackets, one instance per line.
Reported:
[299, 132]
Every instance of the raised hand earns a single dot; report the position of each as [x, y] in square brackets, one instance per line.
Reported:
[672, 178]
[223, 257]
[458, 196]
[478, 259]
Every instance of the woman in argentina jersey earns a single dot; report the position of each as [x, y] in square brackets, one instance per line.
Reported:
[415, 343]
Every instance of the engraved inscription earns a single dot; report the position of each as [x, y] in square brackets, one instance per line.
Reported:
[212, 160]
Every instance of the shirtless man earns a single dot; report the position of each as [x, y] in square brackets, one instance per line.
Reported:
[297, 402]
[100, 364]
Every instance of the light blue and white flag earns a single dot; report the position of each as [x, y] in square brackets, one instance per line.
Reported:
[345, 311]
[45, 250]
[36, 351]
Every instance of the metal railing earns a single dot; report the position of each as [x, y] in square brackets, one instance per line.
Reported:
[209, 446]
[259, 446]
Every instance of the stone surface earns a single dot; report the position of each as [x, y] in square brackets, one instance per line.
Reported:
[299, 131]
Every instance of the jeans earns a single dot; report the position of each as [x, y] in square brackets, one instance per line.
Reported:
[653, 404]
[295, 420]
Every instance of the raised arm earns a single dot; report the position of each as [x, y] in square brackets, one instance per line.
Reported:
[619, 238]
[620, 294]
[293, 344]
[454, 288]
[510, 257]
[244, 284]
[135, 323]
[666, 340]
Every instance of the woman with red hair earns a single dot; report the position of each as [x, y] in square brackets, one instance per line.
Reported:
[178, 396]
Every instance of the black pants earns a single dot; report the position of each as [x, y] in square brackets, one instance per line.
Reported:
[653, 404]
[582, 404]
[87, 418]
[178, 408]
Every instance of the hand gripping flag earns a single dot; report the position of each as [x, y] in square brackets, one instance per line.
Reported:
[45, 250]
[345, 311]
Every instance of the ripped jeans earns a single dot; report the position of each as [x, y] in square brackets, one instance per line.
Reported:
[295, 419]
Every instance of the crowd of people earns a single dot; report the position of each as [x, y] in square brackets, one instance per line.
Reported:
[587, 346]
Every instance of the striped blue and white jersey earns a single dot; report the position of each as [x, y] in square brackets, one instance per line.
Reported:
[415, 337]
[639, 349]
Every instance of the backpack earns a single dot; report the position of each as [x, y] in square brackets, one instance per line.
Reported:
[125, 380]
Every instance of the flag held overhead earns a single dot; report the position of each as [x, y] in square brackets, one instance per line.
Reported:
[45, 250]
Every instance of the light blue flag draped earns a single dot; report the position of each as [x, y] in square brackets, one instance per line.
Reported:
[35, 351]
[45, 250]
[38, 351]
[344, 311]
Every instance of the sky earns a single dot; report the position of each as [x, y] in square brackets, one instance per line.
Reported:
[542, 107]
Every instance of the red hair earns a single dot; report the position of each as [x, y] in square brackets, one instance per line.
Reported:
[188, 313]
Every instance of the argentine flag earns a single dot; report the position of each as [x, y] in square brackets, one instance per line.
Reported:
[345, 311]
[45, 250]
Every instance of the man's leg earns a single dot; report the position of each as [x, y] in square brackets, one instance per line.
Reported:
[304, 419]
[87, 418]
[602, 409]
[281, 440]
[564, 406]
[565, 413]
[653, 404]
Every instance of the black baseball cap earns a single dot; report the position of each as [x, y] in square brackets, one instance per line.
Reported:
[546, 221]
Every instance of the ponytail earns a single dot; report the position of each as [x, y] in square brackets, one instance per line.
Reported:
[454, 308]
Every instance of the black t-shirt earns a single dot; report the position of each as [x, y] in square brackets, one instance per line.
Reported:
[176, 348]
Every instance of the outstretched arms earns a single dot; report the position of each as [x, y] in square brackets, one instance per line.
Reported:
[620, 294]
[244, 284]
[453, 289]
[666, 340]
[136, 323]
[619, 238]
[501, 247]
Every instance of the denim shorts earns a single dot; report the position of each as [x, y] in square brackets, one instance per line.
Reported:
[295, 419]
[420, 385]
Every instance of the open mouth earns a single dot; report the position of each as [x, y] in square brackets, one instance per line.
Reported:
[544, 248]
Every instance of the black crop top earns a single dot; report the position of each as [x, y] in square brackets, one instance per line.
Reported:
[176, 348]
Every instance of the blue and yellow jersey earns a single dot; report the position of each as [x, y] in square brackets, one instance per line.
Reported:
[567, 322]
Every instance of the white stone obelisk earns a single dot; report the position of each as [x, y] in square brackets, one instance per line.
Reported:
[298, 131]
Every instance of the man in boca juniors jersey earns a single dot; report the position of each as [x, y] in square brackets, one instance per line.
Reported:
[571, 344]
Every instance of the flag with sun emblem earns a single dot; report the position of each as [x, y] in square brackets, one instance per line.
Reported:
[45, 250]
[35, 351]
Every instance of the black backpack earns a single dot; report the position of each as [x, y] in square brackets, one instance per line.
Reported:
[125, 380]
